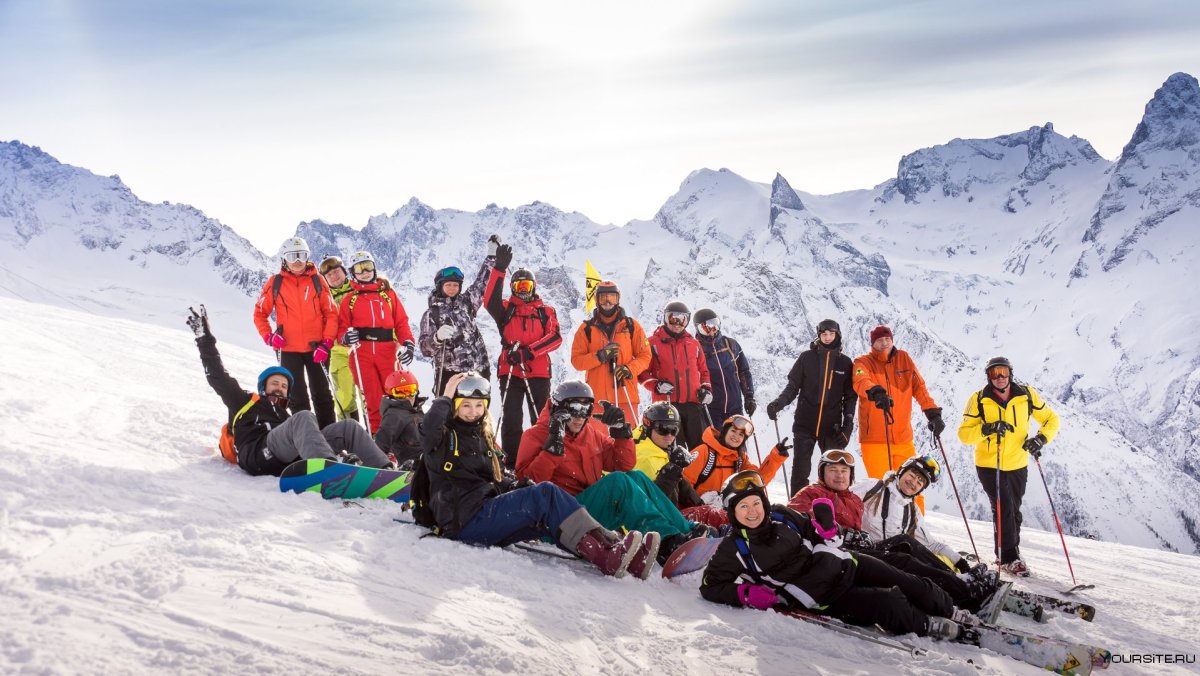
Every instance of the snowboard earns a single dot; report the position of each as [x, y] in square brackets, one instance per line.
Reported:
[338, 480]
[691, 556]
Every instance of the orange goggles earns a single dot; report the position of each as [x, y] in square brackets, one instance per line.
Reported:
[404, 391]
[523, 286]
[999, 372]
[743, 480]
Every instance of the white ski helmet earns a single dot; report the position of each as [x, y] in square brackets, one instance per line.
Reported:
[293, 247]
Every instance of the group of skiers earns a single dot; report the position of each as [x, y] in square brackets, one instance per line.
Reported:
[621, 497]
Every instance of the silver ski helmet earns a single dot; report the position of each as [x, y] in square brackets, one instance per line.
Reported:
[474, 386]
[575, 396]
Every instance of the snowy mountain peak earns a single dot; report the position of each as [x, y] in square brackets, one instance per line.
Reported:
[1171, 119]
[710, 202]
[782, 194]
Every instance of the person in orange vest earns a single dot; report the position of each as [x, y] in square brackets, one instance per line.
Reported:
[612, 350]
[305, 326]
[886, 381]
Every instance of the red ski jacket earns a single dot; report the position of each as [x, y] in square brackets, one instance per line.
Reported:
[533, 324]
[376, 311]
[678, 359]
[847, 506]
[588, 455]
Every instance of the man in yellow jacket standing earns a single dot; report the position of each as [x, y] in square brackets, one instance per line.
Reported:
[997, 421]
[887, 381]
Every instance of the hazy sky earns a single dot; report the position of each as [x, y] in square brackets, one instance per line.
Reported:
[264, 113]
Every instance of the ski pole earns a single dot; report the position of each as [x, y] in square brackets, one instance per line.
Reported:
[361, 376]
[757, 452]
[779, 440]
[1056, 523]
[946, 461]
[333, 390]
[439, 386]
[888, 421]
[528, 395]
[999, 527]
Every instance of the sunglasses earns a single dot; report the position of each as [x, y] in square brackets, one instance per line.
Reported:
[296, 256]
[666, 430]
[365, 266]
[835, 455]
[522, 286]
[741, 423]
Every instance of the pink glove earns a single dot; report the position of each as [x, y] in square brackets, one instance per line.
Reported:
[757, 595]
[274, 340]
[322, 352]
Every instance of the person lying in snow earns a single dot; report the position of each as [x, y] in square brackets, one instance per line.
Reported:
[779, 557]
[475, 502]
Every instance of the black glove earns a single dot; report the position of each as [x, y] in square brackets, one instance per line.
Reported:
[783, 447]
[773, 409]
[406, 352]
[558, 430]
[503, 257]
[608, 353]
[879, 397]
[350, 338]
[751, 407]
[962, 566]
[936, 424]
[856, 539]
[622, 431]
[520, 355]
[622, 373]
[680, 456]
[704, 394]
[998, 427]
[612, 415]
[198, 322]
[1034, 445]
[668, 474]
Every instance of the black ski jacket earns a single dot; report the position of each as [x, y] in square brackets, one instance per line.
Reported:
[250, 432]
[823, 378]
[462, 467]
[399, 428]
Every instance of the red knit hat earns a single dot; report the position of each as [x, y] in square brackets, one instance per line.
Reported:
[880, 331]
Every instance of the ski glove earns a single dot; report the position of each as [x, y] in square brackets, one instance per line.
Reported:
[962, 565]
[856, 539]
[493, 245]
[824, 520]
[350, 338]
[680, 456]
[999, 427]
[519, 356]
[406, 352]
[612, 415]
[757, 596]
[663, 387]
[1034, 445]
[198, 322]
[274, 339]
[622, 373]
[879, 397]
[503, 257]
[608, 353]
[936, 424]
[446, 332]
[751, 407]
[773, 409]
[704, 394]
[558, 428]
[321, 353]
[783, 447]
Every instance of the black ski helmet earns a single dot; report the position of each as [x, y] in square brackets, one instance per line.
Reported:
[999, 361]
[520, 275]
[474, 386]
[925, 465]
[829, 325]
[704, 314]
[661, 412]
[676, 306]
[835, 456]
[449, 274]
[739, 487]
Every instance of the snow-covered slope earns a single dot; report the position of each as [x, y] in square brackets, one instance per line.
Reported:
[127, 546]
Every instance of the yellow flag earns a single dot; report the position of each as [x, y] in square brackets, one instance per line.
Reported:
[591, 280]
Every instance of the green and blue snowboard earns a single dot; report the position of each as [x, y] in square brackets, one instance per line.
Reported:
[348, 482]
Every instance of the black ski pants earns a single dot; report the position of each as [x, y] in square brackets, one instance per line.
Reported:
[1012, 492]
[939, 574]
[897, 601]
[693, 420]
[802, 454]
[517, 393]
[308, 376]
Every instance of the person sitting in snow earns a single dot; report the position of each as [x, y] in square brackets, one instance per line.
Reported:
[722, 455]
[591, 459]
[661, 457]
[266, 436]
[969, 588]
[474, 501]
[776, 556]
[400, 418]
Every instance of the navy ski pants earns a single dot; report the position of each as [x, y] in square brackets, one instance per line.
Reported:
[523, 514]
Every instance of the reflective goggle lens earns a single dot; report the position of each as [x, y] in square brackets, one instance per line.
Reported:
[743, 480]
[450, 272]
[677, 318]
[404, 391]
[711, 326]
[578, 409]
[365, 266]
[932, 466]
[523, 286]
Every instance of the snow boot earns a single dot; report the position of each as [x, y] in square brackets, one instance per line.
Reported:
[609, 552]
[1016, 568]
[942, 628]
[964, 617]
[643, 560]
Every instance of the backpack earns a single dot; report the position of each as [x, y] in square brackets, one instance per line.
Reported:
[225, 443]
[541, 315]
[587, 328]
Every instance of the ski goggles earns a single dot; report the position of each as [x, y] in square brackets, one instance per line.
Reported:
[666, 430]
[365, 266]
[329, 263]
[711, 326]
[523, 287]
[932, 468]
[295, 257]
[404, 391]
[838, 456]
[740, 423]
[451, 274]
[579, 408]
[998, 372]
[678, 318]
